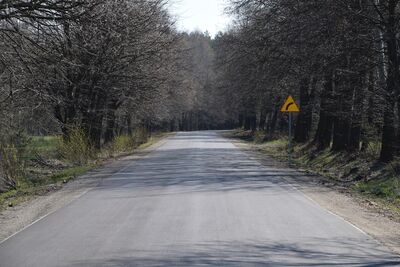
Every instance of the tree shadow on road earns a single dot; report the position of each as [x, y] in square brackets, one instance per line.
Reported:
[200, 169]
[246, 254]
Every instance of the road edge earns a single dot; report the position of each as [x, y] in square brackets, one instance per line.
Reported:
[20, 217]
[341, 204]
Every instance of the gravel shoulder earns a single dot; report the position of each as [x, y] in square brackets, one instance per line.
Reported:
[350, 207]
[353, 208]
[15, 219]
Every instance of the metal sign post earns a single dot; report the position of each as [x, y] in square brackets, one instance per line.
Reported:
[290, 139]
[290, 107]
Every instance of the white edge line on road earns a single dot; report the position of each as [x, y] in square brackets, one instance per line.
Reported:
[293, 185]
[325, 209]
[44, 216]
[72, 200]
[379, 242]
[76, 198]
[129, 165]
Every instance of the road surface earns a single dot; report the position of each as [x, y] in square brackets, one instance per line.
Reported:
[197, 200]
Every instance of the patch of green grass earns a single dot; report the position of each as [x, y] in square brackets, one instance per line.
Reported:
[318, 159]
[388, 188]
[359, 172]
[43, 145]
[16, 196]
[258, 137]
[277, 148]
[69, 174]
[40, 179]
[37, 178]
[240, 134]
[277, 142]
[4, 197]
[26, 189]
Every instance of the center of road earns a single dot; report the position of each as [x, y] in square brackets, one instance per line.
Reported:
[197, 200]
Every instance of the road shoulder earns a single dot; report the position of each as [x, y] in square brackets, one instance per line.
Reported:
[21, 216]
[353, 209]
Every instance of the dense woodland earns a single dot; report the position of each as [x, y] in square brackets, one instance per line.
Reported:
[339, 59]
[110, 67]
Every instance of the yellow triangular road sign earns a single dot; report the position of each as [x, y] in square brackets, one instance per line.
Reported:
[290, 105]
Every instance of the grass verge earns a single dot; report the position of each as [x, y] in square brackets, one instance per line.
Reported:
[46, 172]
[359, 173]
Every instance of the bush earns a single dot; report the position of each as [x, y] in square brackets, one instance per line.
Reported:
[260, 136]
[394, 166]
[10, 167]
[123, 143]
[373, 149]
[126, 143]
[76, 147]
[140, 136]
[22, 142]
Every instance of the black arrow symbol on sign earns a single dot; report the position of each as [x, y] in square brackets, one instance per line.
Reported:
[288, 105]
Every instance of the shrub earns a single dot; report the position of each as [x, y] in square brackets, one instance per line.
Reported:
[76, 147]
[394, 167]
[21, 142]
[123, 143]
[373, 149]
[260, 136]
[140, 136]
[10, 167]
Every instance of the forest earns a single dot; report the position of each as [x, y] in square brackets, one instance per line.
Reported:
[98, 74]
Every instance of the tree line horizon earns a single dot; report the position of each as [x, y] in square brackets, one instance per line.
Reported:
[109, 67]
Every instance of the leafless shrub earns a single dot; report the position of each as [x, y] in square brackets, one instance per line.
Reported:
[10, 167]
[76, 147]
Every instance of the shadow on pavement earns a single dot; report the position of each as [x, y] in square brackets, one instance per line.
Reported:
[251, 254]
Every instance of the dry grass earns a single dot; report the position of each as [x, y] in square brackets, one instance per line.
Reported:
[359, 172]
[46, 169]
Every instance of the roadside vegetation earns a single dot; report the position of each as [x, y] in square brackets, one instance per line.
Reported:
[81, 80]
[42, 164]
[360, 172]
[340, 62]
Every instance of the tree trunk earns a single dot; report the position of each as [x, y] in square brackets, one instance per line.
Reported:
[129, 125]
[241, 120]
[250, 121]
[273, 123]
[342, 121]
[323, 136]
[110, 127]
[357, 116]
[247, 122]
[389, 142]
[263, 118]
[388, 133]
[302, 130]
[110, 122]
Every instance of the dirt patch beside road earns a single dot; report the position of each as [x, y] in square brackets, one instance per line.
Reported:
[14, 219]
[357, 210]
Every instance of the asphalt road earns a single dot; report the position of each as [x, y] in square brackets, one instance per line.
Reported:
[195, 201]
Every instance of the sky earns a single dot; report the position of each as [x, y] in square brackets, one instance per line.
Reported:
[203, 15]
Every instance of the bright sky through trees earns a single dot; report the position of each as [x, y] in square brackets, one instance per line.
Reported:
[203, 15]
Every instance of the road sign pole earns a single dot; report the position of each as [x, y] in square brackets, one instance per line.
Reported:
[290, 107]
[290, 139]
